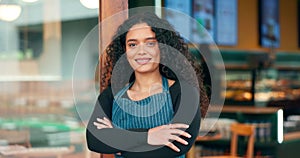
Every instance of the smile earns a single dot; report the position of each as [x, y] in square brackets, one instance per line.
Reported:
[142, 61]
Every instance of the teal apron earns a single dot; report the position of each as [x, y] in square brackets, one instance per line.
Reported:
[153, 111]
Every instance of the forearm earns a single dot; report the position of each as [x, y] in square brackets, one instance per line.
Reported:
[113, 140]
[164, 151]
[96, 145]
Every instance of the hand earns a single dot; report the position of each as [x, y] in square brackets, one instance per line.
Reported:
[103, 123]
[165, 134]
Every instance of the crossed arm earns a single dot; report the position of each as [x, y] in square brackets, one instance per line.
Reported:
[166, 140]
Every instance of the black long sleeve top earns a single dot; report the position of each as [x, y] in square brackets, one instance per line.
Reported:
[133, 143]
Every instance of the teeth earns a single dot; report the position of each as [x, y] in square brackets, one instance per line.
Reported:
[142, 61]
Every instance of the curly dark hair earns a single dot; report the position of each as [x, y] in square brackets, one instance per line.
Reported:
[171, 46]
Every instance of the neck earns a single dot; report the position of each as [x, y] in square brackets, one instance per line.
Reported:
[144, 81]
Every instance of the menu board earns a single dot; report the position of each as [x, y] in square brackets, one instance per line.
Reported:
[226, 22]
[213, 21]
[203, 13]
[269, 28]
[177, 15]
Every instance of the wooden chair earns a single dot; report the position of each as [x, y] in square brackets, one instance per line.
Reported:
[239, 129]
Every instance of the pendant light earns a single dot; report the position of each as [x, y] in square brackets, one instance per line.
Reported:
[91, 4]
[9, 10]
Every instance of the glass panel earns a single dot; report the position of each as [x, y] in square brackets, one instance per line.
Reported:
[37, 52]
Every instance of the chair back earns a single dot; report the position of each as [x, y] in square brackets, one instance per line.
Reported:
[240, 129]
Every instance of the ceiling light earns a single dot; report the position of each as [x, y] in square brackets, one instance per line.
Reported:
[9, 12]
[91, 4]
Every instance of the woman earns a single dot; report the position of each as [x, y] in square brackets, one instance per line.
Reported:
[156, 114]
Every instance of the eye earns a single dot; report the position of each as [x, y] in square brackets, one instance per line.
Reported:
[132, 45]
[151, 43]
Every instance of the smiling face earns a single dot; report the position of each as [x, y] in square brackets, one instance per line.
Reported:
[142, 49]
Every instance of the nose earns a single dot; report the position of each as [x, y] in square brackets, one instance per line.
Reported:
[141, 49]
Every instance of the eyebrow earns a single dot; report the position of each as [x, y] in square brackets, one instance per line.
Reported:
[149, 38]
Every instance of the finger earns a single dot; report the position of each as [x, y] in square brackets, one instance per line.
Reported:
[97, 124]
[173, 147]
[104, 118]
[178, 125]
[109, 122]
[178, 139]
[101, 120]
[106, 122]
[100, 126]
[180, 132]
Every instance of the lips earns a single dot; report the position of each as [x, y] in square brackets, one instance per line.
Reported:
[142, 61]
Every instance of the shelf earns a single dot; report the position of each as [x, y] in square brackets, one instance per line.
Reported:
[291, 136]
[249, 109]
[238, 88]
[237, 66]
[288, 67]
[233, 66]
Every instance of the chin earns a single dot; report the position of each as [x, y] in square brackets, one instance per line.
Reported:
[142, 70]
[146, 68]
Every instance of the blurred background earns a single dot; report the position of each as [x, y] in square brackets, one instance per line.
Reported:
[39, 40]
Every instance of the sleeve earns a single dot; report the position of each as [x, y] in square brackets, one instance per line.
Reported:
[110, 140]
[185, 101]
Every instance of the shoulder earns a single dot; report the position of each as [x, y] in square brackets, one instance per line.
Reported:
[105, 101]
[183, 90]
[176, 87]
[106, 95]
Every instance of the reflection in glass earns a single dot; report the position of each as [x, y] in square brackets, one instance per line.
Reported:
[37, 51]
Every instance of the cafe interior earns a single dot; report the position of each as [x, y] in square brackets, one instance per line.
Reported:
[51, 55]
